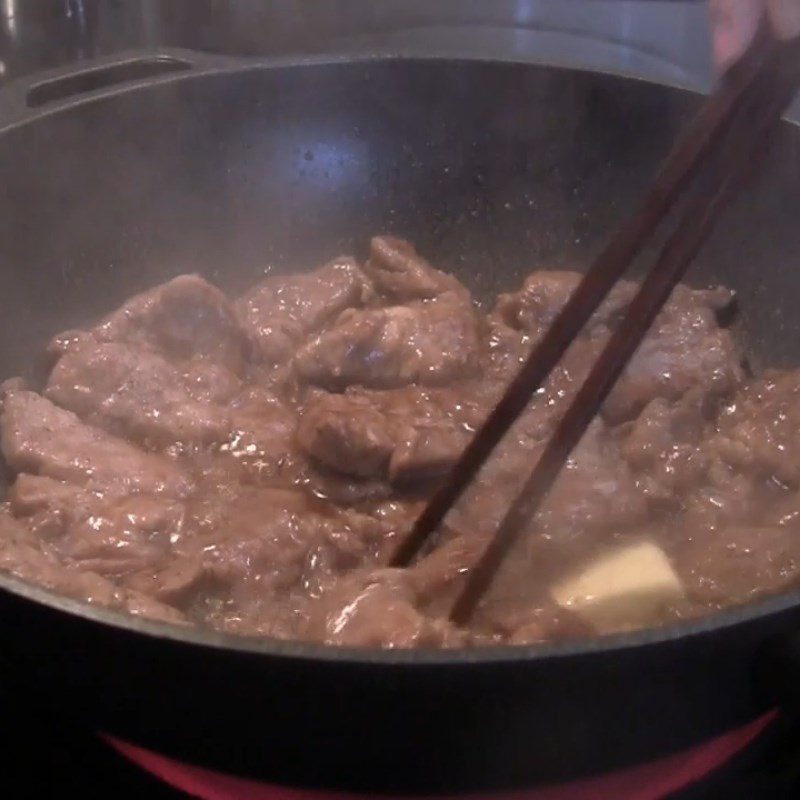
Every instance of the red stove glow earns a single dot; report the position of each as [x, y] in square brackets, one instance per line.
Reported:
[652, 781]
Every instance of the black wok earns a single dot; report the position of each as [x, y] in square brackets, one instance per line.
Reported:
[491, 169]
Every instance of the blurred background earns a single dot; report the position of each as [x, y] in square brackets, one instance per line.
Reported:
[660, 39]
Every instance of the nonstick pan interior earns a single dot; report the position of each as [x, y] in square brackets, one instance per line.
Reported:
[492, 169]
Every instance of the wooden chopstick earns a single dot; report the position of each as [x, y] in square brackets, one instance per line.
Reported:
[736, 124]
[759, 112]
[688, 155]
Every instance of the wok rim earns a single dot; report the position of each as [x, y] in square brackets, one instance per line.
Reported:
[251, 64]
[461, 657]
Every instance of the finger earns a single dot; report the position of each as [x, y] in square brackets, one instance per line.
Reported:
[734, 25]
[785, 17]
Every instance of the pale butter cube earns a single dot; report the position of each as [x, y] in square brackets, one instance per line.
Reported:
[622, 590]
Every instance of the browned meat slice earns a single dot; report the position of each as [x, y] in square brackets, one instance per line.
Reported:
[508, 349]
[210, 382]
[347, 539]
[595, 492]
[349, 434]
[133, 392]
[430, 343]
[427, 452]
[532, 622]
[117, 537]
[303, 426]
[725, 497]
[595, 496]
[25, 558]
[12, 385]
[262, 548]
[176, 582]
[760, 430]
[438, 576]
[544, 294]
[253, 535]
[345, 491]
[43, 439]
[262, 439]
[184, 318]
[47, 505]
[31, 494]
[28, 560]
[96, 531]
[139, 604]
[378, 609]
[66, 340]
[409, 435]
[664, 447]
[735, 564]
[462, 405]
[400, 273]
[280, 311]
[414, 434]
[685, 349]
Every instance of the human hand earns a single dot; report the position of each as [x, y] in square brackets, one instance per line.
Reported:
[734, 24]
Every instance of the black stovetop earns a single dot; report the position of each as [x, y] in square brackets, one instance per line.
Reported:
[43, 756]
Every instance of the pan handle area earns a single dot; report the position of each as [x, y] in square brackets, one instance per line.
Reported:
[98, 77]
[29, 97]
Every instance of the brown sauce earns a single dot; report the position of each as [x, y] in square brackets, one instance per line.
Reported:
[249, 464]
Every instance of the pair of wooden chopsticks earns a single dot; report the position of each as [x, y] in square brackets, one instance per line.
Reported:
[723, 147]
